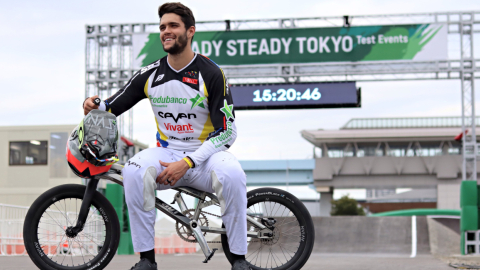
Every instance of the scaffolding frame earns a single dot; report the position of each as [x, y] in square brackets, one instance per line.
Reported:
[109, 61]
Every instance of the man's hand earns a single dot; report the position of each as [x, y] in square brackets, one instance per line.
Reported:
[88, 105]
[173, 172]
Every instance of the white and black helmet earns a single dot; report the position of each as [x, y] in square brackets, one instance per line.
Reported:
[92, 145]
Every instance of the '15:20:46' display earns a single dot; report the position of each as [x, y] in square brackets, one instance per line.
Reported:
[295, 96]
[281, 94]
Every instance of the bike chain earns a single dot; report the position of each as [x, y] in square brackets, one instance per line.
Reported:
[195, 241]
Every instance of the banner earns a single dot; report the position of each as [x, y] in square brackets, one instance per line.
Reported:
[308, 45]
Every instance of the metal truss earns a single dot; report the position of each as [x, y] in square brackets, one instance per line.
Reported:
[109, 61]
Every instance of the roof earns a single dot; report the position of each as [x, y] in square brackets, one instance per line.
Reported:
[277, 165]
[406, 122]
[385, 135]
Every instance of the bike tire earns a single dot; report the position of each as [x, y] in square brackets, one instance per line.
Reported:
[307, 231]
[38, 212]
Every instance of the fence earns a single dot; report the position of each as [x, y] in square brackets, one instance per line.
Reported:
[11, 234]
[51, 235]
[170, 242]
[11, 229]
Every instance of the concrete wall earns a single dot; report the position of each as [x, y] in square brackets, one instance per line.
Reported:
[444, 236]
[359, 234]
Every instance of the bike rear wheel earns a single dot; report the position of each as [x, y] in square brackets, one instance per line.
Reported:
[293, 233]
[52, 213]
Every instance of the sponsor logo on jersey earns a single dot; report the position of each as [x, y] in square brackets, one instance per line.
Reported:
[224, 137]
[197, 101]
[160, 77]
[227, 110]
[167, 99]
[192, 74]
[176, 118]
[152, 65]
[189, 80]
[181, 139]
[179, 128]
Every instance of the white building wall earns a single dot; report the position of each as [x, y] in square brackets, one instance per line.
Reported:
[448, 196]
[22, 184]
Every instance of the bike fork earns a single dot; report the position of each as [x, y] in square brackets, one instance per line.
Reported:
[84, 209]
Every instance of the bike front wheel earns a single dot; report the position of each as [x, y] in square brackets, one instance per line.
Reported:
[293, 231]
[52, 213]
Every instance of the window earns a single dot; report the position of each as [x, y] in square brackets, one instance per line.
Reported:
[28, 153]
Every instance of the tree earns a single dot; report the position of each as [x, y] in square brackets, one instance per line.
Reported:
[346, 206]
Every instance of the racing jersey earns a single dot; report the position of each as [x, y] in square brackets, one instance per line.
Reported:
[193, 106]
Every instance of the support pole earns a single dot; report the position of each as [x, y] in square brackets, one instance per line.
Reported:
[469, 188]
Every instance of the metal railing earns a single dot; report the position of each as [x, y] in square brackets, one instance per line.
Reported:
[171, 243]
[11, 235]
[11, 232]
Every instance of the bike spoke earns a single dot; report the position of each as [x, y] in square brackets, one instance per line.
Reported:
[284, 245]
[52, 238]
[71, 252]
[279, 260]
[281, 249]
[86, 249]
[66, 218]
[93, 241]
[55, 221]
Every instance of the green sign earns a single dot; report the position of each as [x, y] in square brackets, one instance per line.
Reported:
[309, 45]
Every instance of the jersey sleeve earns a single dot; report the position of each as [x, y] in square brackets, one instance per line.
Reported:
[222, 115]
[131, 93]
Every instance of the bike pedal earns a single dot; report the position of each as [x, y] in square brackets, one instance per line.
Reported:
[210, 256]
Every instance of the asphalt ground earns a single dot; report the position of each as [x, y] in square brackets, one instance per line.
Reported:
[317, 261]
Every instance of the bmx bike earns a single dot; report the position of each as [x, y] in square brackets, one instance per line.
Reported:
[75, 227]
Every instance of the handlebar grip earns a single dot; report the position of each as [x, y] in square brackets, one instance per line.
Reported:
[97, 101]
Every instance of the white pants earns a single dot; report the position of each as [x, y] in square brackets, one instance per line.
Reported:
[221, 174]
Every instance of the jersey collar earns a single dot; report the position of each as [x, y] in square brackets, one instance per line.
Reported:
[193, 59]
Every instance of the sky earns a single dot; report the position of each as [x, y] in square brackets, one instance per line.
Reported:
[43, 62]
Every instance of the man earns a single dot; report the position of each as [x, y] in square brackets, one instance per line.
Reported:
[195, 119]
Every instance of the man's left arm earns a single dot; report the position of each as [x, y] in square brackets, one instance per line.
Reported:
[222, 115]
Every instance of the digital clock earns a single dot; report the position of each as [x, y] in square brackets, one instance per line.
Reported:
[295, 96]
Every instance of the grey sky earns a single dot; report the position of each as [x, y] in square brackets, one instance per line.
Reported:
[42, 68]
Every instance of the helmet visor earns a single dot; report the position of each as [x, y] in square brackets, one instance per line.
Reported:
[92, 156]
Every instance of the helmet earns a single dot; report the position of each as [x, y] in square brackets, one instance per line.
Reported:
[92, 145]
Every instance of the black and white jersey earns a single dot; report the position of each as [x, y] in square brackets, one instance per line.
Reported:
[193, 106]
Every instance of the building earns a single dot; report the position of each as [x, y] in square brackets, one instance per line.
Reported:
[293, 175]
[389, 153]
[33, 161]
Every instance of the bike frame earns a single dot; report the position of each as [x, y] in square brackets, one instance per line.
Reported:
[114, 175]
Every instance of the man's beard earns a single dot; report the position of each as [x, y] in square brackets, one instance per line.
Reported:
[179, 45]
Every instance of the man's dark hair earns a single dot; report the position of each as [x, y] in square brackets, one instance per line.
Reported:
[181, 10]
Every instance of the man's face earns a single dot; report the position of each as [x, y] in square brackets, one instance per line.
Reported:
[173, 34]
